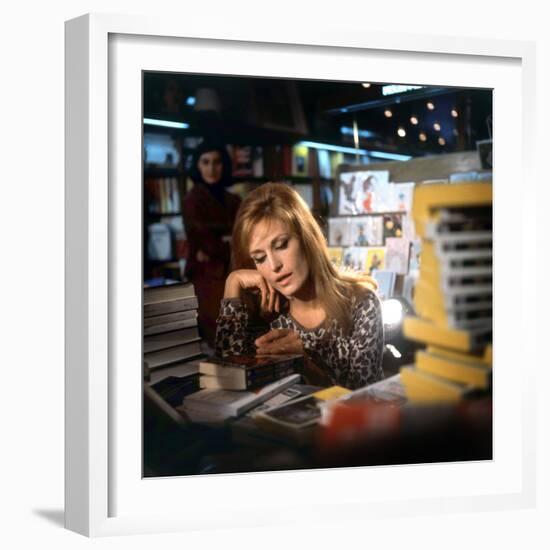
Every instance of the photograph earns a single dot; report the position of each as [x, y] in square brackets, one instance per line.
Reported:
[288, 321]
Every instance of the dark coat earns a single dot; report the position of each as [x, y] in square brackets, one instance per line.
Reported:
[208, 224]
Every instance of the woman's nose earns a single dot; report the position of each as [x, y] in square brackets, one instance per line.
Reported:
[275, 263]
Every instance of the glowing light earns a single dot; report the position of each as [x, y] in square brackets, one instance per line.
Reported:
[414, 120]
[391, 89]
[191, 100]
[165, 123]
[430, 105]
[437, 126]
[422, 136]
[388, 113]
[401, 132]
[454, 113]
[366, 84]
[441, 141]
[392, 312]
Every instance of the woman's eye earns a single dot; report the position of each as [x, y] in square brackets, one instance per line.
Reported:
[281, 246]
[259, 260]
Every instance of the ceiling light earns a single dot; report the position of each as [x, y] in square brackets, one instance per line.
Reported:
[441, 141]
[422, 136]
[414, 120]
[430, 105]
[455, 131]
[366, 84]
[401, 132]
[388, 113]
[437, 126]
[454, 113]
[165, 123]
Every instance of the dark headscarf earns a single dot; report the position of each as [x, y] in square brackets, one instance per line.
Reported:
[217, 189]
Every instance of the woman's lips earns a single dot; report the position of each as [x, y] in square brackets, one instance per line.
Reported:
[285, 280]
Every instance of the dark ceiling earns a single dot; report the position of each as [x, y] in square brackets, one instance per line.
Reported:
[270, 110]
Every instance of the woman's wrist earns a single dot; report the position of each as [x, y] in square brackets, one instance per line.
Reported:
[232, 288]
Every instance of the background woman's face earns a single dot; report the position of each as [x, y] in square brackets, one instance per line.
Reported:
[279, 257]
[210, 167]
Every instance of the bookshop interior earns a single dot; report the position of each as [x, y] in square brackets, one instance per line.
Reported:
[317, 274]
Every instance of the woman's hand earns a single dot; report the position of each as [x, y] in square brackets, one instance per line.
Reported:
[250, 279]
[279, 341]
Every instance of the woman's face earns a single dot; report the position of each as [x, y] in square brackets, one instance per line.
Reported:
[210, 167]
[279, 257]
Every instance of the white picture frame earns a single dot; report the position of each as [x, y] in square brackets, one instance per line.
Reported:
[103, 308]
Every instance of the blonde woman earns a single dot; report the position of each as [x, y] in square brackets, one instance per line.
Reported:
[279, 253]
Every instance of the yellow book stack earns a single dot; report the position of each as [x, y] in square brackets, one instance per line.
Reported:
[453, 294]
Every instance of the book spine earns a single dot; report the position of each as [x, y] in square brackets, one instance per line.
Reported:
[172, 306]
[168, 327]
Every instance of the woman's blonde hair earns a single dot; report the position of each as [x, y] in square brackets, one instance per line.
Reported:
[278, 201]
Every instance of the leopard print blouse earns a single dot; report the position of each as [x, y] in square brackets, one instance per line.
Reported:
[352, 361]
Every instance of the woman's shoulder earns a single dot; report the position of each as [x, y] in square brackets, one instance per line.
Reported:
[363, 298]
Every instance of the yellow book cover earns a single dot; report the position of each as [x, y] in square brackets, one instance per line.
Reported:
[420, 386]
[478, 375]
[334, 392]
[300, 160]
[422, 330]
[429, 197]
[336, 255]
[485, 358]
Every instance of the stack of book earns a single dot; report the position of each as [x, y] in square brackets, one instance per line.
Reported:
[171, 337]
[233, 385]
[453, 295]
[241, 372]
[217, 405]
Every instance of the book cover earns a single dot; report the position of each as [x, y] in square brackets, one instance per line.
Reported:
[156, 342]
[355, 258]
[300, 413]
[375, 259]
[244, 372]
[386, 282]
[157, 320]
[349, 197]
[465, 372]
[397, 255]
[300, 163]
[392, 226]
[222, 404]
[336, 255]
[422, 387]
[366, 231]
[375, 191]
[339, 231]
[156, 359]
[483, 357]
[171, 325]
[430, 197]
[403, 196]
[422, 330]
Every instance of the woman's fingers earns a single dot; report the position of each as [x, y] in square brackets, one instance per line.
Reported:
[265, 294]
[285, 341]
[272, 297]
[273, 335]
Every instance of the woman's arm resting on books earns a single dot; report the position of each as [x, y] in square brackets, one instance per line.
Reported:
[242, 280]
